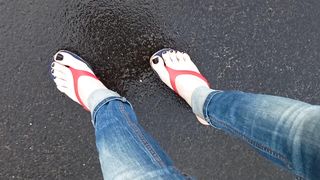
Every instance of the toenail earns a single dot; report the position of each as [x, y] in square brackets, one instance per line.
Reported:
[52, 71]
[52, 65]
[59, 57]
[155, 61]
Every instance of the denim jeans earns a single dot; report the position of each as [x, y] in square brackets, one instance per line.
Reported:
[126, 150]
[283, 130]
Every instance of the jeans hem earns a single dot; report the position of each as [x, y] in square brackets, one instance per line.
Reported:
[206, 104]
[105, 101]
[98, 95]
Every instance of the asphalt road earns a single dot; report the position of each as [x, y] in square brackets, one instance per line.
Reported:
[269, 46]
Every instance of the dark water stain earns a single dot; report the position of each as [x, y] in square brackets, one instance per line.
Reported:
[116, 37]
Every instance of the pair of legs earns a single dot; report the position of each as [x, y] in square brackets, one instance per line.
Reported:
[283, 130]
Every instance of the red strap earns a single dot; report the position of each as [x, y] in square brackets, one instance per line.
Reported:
[76, 75]
[174, 73]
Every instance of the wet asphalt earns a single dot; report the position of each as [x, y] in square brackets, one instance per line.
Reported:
[257, 46]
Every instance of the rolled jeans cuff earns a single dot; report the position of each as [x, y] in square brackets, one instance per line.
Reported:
[198, 99]
[99, 95]
[106, 101]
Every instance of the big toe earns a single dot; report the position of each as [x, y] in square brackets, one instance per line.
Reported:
[64, 58]
[157, 64]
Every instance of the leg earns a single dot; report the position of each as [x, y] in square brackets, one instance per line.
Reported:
[285, 131]
[126, 151]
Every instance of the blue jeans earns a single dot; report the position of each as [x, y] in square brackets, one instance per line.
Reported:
[283, 130]
[126, 150]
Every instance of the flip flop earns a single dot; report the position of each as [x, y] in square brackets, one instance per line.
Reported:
[76, 74]
[173, 74]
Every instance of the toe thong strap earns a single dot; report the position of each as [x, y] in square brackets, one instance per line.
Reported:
[76, 75]
[174, 73]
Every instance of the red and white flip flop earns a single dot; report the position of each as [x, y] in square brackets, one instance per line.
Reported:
[173, 74]
[170, 80]
[76, 74]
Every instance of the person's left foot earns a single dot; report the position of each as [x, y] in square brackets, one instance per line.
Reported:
[178, 72]
[74, 77]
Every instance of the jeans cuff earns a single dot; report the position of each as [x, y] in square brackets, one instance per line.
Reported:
[198, 98]
[103, 102]
[98, 95]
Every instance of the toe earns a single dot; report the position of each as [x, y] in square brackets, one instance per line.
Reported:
[64, 58]
[58, 74]
[62, 89]
[60, 82]
[167, 59]
[157, 64]
[173, 56]
[67, 59]
[59, 67]
[180, 57]
[186, 57]
[188, 61]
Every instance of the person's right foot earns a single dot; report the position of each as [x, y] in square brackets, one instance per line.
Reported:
[187, 76]
[74, 77]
